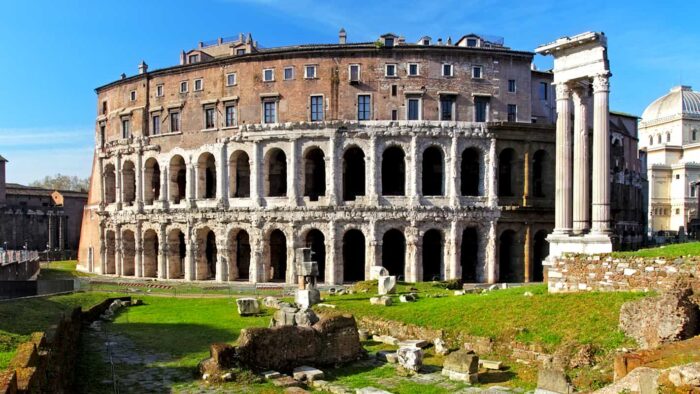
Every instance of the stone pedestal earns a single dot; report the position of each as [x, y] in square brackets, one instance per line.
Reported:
[307, 298]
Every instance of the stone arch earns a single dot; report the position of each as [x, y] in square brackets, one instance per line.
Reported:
[206, 255]
[314, 173]
[539, 253]
[353, 256]
[509, 263]
[206, 176]
[353, 173]
[110, 184]
[178, 179]
[317, 242]
[433, 255]
[470, 172]
[277, 255]
[394, 252]
[150, 254]
[239, 174]
[433, 167]
[151, 181]
[239, 254]
[275, 173]
[111, 249]
[469, 256]
[394, 171]
[128, 182]
[541, 174]
[506, 173]
[128, 253]
[177, 251]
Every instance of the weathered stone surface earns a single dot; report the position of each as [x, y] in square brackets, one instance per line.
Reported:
[305, 317]
[376, 271]
[553, 381]
[387, 356]
[440, 346]
[383, 300]
[284, 317]
[656, 320]
[306, 373]
[271, 302]
[268, 375]
[416, 343]
[285, 381]
[462, 361]
[387, 284]
[407, 298]
[333, 339]
[410, 358]
[685, 375]
[371, 390]
[471, 378]
[491, 364]
[389, 340]
[307, 298]
[247, 306]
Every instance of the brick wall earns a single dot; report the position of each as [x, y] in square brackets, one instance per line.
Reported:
[605, 273]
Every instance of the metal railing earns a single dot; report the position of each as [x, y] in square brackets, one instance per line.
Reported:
[18, 256]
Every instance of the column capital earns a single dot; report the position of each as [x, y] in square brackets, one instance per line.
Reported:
[601, 83]
[563, 91]
[577, 94]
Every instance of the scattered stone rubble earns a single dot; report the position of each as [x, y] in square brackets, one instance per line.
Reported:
[461, 365]
[410, 359]
[382, 300]
[387, 284]
[248, 306]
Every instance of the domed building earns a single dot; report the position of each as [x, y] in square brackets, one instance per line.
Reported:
[670, 133]
[434, 159]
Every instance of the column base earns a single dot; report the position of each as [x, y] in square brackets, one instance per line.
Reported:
[592, 243]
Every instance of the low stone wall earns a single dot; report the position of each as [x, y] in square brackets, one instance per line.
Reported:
[46, 363]
[574, 273]
[19, 271]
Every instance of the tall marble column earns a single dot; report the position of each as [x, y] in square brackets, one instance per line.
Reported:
[256, 174]
[527, 174]
[563, 169]
[103, 248]
[413, 271]
[221, 274]
[102, 181]
[601, 156]
[334, 270]
[164, 170]
[491, 172]
[372, 187]
[581, 169]
[453, 270]
[490, 253]
[373, 254]
[527, 253]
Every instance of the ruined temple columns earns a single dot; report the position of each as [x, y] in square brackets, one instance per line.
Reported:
[601, 157]
[581, 169]
[563, 170]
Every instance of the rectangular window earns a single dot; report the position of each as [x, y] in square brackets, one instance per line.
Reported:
[316, 108]
[390, 70]
[288, 73]
[198, 85]
[471, 42]
[512, 112]
[268, 75]
[389, 42]
[230, 115]
[209, 118]
[394, 114]
[413, 109]
[231, 79]
[126, 132]
[193, 59]
[480, 108]
[476, 72]
[394, 90]
[363, 107]
[354, 73]
[159, 90]
[511, 85]
[240, 51]
[183, 87]
[132, 95]
[412, 69]
[174, 121]
[692, 191]
[446, 110]
[310, 72]
[104, 108]
[269, 112]
[156, 125]
[544, 91]
[447, 70]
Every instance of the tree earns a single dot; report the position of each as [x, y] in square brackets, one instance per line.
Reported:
[63, 182]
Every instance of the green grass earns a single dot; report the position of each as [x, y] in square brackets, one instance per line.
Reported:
[20, 318]
[545, 319]
[61, 270]
[668, 251]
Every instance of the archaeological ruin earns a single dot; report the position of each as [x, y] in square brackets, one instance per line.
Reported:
[433, 159]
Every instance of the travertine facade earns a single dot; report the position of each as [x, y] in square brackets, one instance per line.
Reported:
[428, 159]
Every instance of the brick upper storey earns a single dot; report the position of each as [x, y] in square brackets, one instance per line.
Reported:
[487, 75]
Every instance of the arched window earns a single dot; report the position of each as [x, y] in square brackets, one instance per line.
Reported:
[432, 255]
[110, 182]
[317, 242]
[353, 173]
[151, 182]
[277, 251]
[178, 179]
[658, 139]
[432, 172]
[471, 172]
[150, 254]
[206, 176]
[393, 172]
[505, 173]
[695, 135]
[314, 174]
[668, 137]
[276, 173]
[353, 256]
[540, 174]
[239, 174]
[394, 252]
[128, 183]
[651, 140]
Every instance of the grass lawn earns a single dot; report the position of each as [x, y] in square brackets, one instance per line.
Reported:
[668, 251]
[20, 318]
[545, 319]
[61, 270]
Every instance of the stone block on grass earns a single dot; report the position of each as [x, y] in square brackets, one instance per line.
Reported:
[248, 306]
[410, 358]
[383, 300]
[376, 271]
[306, 373]
[387, 284]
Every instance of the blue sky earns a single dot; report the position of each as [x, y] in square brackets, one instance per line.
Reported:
[54, 53]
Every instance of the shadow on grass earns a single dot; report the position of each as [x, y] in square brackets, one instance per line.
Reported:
[489, 377]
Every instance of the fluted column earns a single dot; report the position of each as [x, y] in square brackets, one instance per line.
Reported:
[601, 156]
[527, 253]
[373, 253]
[256, 273]
[563, 169]
[221, 258]
[581, 202]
